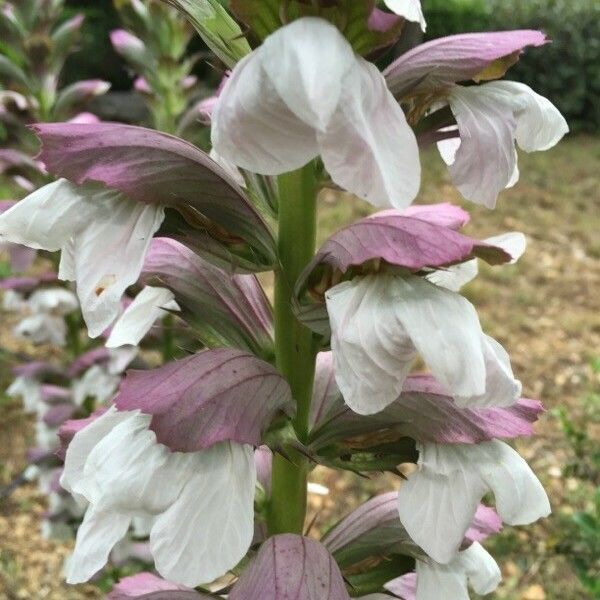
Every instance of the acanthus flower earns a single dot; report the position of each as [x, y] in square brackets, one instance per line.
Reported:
[473, 567]
[103, 237]
[305, 93]
[385, 312]
[202, 502]
[380, 323]
[439, 500]
[491, 119]
[176, 447]
[478, 141]
[44, 311]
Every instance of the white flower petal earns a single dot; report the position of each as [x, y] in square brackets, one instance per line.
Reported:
[29, 390]
[120, 358]
[485, 161]
[208, 530]
[439, 500]
[109, 256]
[13, 301]
[448, 148]
[317, 489]
[254, 129]
[440, 582]
[45, 437]
[303, 93]
[309, 77]
[368, 147]
[453, 278]
[481, 569]
[520, 497]
[47, 218]
[540, 126]
[445, 329]
[83, 443]
[437, 503]
[411, 10]
[491, 118]
[380, 322]
[514, 242]
[501, 387]
[129, 471]
[449, 582]
[514, 179]
[139, 317]
[66, 266]
[96, 536]
[372, 353]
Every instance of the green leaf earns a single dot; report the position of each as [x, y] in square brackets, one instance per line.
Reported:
[362, 456]
[351, 17]
[9, 71]
[216, 27]
[64, 39]
[374, 579]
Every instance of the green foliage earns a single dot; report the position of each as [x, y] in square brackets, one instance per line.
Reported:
[216, 28]
[160, 58]
[582, 545]
[349, 16]
[581, 537]
[449, 17]
[97, 59]
[566, 71]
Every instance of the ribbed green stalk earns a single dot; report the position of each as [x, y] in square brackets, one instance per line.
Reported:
[294, 350]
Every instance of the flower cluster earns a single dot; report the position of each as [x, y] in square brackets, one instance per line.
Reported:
[36, 42]
[154, 46]
[213, 450]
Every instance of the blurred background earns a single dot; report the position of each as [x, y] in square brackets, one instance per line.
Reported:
[545, 310]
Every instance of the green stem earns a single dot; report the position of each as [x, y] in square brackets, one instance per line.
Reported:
[73, 322]
[294, 348]
[168, 338]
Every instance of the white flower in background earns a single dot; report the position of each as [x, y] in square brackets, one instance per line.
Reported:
[28, 389]
[411, 10]
[57, 301]
[491, 118]
[96, 383]
[305, 93]
[151, 304]
[13, 301]
[44, 311]
[202, 502]
[63, 503]
[45, 322]
[120, 358]
[103, 236]
[42, 329]
[46, 437]
[55, 530]
[381, 323]
[439, 500]
[101, 380]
